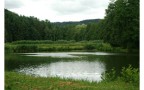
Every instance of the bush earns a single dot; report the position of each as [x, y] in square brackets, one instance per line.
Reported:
[33, 42]
[8, 48]
[105, 47]
[89, 47]
[109, 76]
[26, 48]
[61, 41]
[97, 41]
[130, 74]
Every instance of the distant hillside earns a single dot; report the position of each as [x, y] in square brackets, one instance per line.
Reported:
[88, 21]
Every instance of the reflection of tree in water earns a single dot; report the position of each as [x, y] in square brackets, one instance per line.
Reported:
[13, 61]
[119, 61]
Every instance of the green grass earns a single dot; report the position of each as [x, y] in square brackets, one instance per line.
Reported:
[17, 81]
[61, 45]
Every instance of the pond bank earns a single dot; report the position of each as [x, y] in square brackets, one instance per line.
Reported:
[17, 81]
[51, 46]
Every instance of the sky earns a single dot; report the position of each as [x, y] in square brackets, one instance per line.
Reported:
[59, 10]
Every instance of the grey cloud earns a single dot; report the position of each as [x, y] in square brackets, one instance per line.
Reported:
[69, 8]
[77, 6]
[59, 9]
[11, 4]
[94, 3]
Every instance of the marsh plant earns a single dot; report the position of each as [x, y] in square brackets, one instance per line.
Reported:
[127, 74]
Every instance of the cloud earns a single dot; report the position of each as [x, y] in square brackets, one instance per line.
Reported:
[68, 8]
[59, 10]
[14, 4]
[77, 6]
[11, 4]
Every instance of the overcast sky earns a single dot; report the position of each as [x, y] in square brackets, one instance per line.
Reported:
[59, 10]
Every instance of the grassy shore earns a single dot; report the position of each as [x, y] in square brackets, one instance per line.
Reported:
[17, 81]
[61, 45]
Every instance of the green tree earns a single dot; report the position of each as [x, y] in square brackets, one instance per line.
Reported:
[122, 23]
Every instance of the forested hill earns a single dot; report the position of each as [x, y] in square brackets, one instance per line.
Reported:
[31, 28]
[120, 27]
[88, 21]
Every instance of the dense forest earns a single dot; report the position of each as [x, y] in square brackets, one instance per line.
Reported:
[31, 28]
[120, 27]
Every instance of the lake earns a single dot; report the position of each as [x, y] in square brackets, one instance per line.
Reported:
[74, 65]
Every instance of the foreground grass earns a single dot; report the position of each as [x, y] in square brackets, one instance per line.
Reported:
[17, 81]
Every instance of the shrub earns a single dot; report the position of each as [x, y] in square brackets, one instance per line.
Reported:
[130, 74]
[105, 47]
[25, 48]
[61, 41]
[8, 48]
[109, 76]
[89, 47]
[97, 41]
[33, 42]
[63, 48]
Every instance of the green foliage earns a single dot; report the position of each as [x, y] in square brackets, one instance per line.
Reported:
[97, 41]
[120, 49]
[89, 47]
[33, 42]
[122, 24]
[30, 28]
[130, 74]
[26, 48]
[105, 47]
[60, 45]
[81, 27]
[109, 76]
[43, 42]
[8, 48]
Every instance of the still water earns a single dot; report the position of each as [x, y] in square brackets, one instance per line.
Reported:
[75, 65]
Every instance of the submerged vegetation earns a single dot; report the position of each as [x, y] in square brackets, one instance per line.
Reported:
[129, 80]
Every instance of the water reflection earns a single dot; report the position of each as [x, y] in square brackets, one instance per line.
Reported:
[84, 70]
[67, 54]
[76, 65]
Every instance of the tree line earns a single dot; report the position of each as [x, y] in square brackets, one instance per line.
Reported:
[31, 28]
[120, 26]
